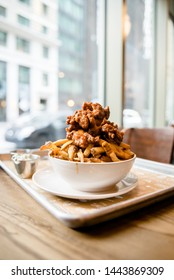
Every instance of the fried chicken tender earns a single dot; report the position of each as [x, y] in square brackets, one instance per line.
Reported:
[89, 117]
[110, 132]
[82, 139]
[89, 124]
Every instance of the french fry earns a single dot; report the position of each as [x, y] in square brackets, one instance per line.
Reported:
[96, 151]
[94, 159]
[119, 151]
[50, 146]
[63, 155]
[124, 145]
[47, 146]
[130, 153]
[87, 151]
[105, 158]
[60, 142]
[80, 155]
[103, 152]
[66, 144]
[108, 150]
[72, 151]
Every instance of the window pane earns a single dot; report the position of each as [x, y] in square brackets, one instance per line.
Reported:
[23, 20]
[2, 91]
[22, 45]
[2, 11]
[45, 79]
[24, 74]
[45, 9]
[170, 74]
[64, 65]
[45, 52]
[25, 1]
[80, 38]
[24, 89]
[138, 73]
[44, 29]
[3, 38]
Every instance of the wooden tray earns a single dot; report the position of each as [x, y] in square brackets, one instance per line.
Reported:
[155, 182]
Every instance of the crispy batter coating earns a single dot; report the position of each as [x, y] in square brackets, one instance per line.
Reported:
[111, 133]
[90, 124]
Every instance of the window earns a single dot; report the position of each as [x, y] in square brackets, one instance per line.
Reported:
[24, 77]
[45, 52]
[170, 73]
[45, 9]
[24, 89]
[25, 1]
[81, 53]
[22, 45]
[23, 20]
[44, 29]
[69, 63]
[3, 38]
[3, 82]
[45, 79]
[138, 73]
[2, 11]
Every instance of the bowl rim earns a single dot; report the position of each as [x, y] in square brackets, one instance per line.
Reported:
[91, 163]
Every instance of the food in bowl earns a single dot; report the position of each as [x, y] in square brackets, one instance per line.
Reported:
[93, 156]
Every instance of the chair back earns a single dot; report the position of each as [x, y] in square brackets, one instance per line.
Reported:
[151, 143]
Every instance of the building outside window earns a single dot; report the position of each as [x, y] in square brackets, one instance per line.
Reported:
[22, 45]
[80, 39]
[77, 62]
[3, 38]
[73, 69]
[138, 75]
[18, 91]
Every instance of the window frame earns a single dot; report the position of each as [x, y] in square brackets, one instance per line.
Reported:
[23, 21]
[114, 59]
[22, 45]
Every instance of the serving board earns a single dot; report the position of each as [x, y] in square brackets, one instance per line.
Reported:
[155, 182]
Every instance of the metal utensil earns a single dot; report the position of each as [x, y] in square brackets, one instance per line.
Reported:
[25, 164]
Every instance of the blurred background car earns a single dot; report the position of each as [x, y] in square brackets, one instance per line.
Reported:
[33, 130]
[131, 118]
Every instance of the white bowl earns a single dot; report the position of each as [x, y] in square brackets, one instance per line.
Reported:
[91, 177]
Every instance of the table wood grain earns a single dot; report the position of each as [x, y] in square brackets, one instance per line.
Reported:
[28, 231]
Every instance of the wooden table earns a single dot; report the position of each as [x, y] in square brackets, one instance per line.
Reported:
[28, 231]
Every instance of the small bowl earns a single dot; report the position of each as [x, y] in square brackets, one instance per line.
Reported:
[25, 164]
[91, 177]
